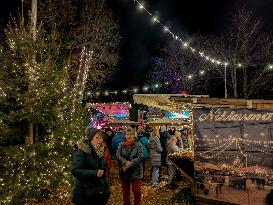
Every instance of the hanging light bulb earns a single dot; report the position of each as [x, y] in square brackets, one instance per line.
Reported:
[145, 88]
[166, 29]
[155, 19]
[185, 45]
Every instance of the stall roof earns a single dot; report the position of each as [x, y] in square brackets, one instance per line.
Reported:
[176, 102]
[111, 108]
[166, 120]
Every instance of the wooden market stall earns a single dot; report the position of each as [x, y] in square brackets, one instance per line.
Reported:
[236, 130]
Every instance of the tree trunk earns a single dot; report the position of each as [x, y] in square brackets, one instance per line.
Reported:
[33, 30]
[234, 82]
[30, 133]
[245, 84]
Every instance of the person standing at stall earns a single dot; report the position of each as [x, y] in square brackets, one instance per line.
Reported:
[130, 156]
[172, 148]
[155, 155]
[144, 145]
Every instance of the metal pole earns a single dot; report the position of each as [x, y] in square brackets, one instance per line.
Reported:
[225, 81]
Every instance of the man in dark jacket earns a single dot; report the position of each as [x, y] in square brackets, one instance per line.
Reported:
[164, 138]
[107, 138]
[117, 139]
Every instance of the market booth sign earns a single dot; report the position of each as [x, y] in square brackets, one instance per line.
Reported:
[235, 115]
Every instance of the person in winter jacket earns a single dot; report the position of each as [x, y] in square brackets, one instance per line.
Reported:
[155, 156]
[91, 186]
[144, 145]
[107, 138]
[164, 138]
[130, 156]
[172, 148]
[117, 139]
[179, 139]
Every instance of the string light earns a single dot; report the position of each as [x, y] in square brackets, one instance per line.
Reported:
[184, 44]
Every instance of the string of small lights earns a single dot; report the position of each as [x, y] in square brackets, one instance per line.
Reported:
[131, 90]
[185, 45]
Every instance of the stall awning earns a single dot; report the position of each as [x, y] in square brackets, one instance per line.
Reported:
[168, 102]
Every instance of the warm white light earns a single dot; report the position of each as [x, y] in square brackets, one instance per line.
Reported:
[135, 90]
[106, 93]
[190, 77]
[141, 6]
[240, 65]
[185, 44]
[145, 88]
[202, 72]
[155, 19]
[115, 92]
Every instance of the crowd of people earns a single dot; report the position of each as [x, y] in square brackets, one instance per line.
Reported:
[130, 147]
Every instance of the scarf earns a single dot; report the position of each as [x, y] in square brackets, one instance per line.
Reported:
[100, 150]
[128, 143]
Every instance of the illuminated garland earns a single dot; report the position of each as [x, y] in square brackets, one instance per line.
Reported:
[128, 90]
[185, 44]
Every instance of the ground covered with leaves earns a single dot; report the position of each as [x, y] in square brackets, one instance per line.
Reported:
[150, 196]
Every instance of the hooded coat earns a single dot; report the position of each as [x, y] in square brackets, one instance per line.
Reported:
[84, 168]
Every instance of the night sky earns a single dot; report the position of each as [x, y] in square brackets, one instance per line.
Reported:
[140, 36]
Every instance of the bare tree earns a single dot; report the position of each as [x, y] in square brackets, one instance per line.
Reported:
[176, 68]
[87, 27]
[249, 49]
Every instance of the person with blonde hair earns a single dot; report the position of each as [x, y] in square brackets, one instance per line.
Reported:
[179, 139]
[172, 148]
[155, 155]
[130, 156]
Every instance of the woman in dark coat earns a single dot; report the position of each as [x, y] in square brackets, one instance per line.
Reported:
[130, 157]
[89, 169]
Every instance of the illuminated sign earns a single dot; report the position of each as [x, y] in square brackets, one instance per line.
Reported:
[222, 115]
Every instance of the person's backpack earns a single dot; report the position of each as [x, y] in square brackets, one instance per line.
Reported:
[145, 148]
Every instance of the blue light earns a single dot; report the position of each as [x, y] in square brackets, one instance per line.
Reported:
[174, 115]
